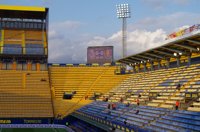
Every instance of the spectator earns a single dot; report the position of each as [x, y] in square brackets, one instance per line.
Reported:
[177, 104]
[108, 106]
[121, 99]
[86, 97]
[106, 99]
[139, 95]
[128, 104]
[138, 102]
[106, 117]
[137, 112]
[114, 106]
[178, 86]
[125, 122]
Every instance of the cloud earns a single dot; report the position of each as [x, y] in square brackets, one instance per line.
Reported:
[168, 22]
[72, 51]
[68, 45]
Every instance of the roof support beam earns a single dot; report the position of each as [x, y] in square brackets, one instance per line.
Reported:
[165, 53]
[136, 58]
[135, 61]
[131, 60]
[173, 50]
[194, 41]
[146, 57]
[186, 47]
[154, 55]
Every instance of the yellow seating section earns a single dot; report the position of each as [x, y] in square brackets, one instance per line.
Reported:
[13, 36]
[34, 37]
[27, 36]
[24, 94]
[158, 88]
[84, 80]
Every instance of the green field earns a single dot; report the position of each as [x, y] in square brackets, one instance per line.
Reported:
[32, 130]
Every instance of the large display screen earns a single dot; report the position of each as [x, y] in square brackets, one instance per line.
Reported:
[100, 54]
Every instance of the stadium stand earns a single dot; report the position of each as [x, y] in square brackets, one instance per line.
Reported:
[147, 119]
[25, 94]
[84, 81]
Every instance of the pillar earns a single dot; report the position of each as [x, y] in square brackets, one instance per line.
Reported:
[159, 65]
[168, 62]
[138, 67]
[178, 61]
[189, 59]
[29, 65]
[151, 63]
[23, 43]
[2, 40]
[145, 67]
[38, 66]
[14, 65]
[134, 70]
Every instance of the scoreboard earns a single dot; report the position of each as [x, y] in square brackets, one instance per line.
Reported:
[100, 54]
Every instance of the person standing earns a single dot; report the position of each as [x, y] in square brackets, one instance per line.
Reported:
[177, 104]
[138, 102]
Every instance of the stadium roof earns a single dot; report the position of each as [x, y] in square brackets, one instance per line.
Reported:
[27, 12]
[171, 48]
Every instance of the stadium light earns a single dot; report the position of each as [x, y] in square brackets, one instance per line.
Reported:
[123, 12]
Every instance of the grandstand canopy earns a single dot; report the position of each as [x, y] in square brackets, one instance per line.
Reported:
[23, 12]
[171, 48]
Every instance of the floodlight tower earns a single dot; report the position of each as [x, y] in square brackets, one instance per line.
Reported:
[123, 12]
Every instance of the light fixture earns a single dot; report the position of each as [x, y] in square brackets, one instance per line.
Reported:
[175, 54]
[123, 12]
[198, 49]
[180, 53]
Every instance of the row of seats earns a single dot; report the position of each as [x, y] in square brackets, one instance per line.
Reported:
[29, 36]
[148, 118]
[158, 88]
[25, 94]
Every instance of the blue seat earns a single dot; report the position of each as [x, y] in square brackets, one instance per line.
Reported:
[193, 122]
[183, 125]
[192, 117]
[166, 126]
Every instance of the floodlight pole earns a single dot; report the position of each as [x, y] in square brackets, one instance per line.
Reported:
[123, 12]
[124, 38]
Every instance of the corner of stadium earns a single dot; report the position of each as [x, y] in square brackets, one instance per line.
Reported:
[161, 92]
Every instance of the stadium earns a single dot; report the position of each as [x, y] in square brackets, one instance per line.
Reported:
[160, 93]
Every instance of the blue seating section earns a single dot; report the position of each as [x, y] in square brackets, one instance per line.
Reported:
[34, 49]
[148, 118]
[12, 49]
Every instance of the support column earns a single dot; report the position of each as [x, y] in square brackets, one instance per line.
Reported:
[2, 41]
[134, 70]
[29, 66]
[138, 67]
[168, 62]
[151, 63]
[145, 67]
[159, 65]
[189, 59]
[178, 61]
[1, 65]
[38, 66]
[14, 65]
[23, 43]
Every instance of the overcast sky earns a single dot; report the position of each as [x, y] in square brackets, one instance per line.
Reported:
[76, 24]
